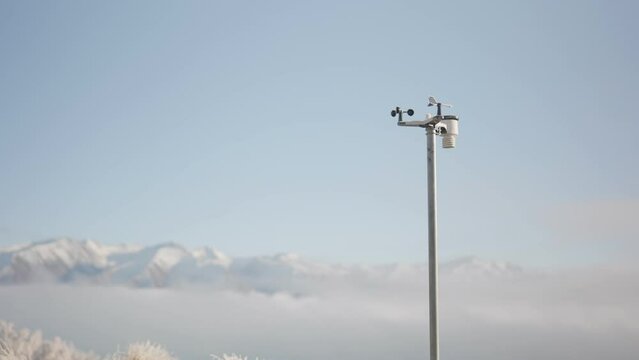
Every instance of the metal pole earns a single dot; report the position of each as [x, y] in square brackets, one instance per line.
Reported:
[432, 243]
[450, 123]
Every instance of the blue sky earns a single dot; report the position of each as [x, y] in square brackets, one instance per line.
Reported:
[262, 127]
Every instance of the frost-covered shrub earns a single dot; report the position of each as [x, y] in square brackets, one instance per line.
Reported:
[25, 345]
[229, 357]
[144, 351]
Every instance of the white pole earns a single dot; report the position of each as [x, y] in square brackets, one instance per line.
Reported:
[432, 243]
[449, 123]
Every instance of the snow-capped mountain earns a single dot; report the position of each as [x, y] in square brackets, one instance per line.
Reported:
[61, 260]
[90, 262]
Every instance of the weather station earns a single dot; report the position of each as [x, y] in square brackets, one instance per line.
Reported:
[446, 126]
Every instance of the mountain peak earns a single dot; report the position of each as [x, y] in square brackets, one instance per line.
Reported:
[207, 255]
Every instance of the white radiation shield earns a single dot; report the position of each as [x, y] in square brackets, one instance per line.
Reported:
[449, 139]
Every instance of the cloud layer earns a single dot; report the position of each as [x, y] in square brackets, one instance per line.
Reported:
[587, 313]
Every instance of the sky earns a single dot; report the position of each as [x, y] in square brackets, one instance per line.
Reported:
[264, 127]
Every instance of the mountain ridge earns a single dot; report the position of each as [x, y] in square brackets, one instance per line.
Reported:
[71, 261]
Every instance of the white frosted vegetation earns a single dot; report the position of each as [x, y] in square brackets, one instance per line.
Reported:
[24, 344]
[144, 351]
[229, 357]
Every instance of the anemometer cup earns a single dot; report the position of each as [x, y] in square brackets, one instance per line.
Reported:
[396, 112]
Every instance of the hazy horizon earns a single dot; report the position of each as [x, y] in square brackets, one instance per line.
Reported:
[579, 314]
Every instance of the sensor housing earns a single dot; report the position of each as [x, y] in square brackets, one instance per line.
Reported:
[449, 136]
